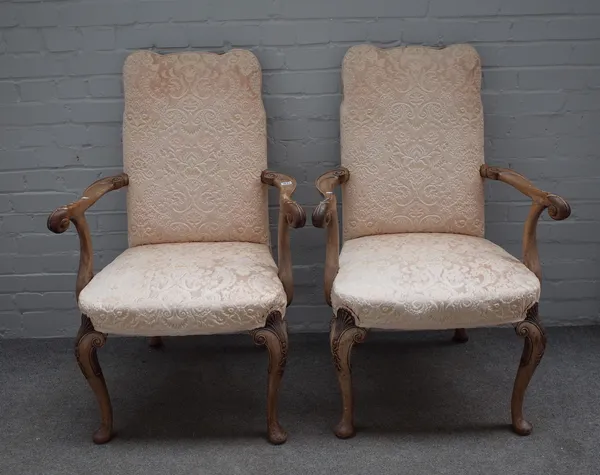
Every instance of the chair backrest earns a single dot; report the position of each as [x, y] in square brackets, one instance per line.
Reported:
[194, 144]
[412, 139]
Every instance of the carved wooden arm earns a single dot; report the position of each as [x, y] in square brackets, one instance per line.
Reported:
[58, 222]
[290, 214]
[325, 216]
[558, 209]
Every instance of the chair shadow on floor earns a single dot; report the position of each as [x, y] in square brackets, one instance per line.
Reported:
[421, 386]
[210, 388]
[190, 391]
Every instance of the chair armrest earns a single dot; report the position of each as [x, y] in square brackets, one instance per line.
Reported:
[325, 215]
[59, 220]
[291, 214]
[558, 209]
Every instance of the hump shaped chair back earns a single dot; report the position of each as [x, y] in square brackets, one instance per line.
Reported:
[194, 143]
[412, 139]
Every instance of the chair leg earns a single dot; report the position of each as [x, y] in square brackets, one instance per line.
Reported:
[155, 342]
[460, 336]
[274, 336]
[533, 351]
[88, 340]
[344, 334]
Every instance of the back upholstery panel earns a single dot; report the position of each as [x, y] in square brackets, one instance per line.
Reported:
[412, 138]
[194, 143]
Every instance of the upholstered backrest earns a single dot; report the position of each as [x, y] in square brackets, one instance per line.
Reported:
[194, 143]
[412, 139]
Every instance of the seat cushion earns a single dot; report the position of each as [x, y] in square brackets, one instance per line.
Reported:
[185, 289]
[194, 146]
[412, 138]
[432, 281]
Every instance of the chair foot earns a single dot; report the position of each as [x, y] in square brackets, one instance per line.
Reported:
[276, 435]
[88, 341]
[343, 336]
[155, 342]
[274, 336]
[460, 336]
[533, 351]
[102, 435]
[344, 429]
[522, 427]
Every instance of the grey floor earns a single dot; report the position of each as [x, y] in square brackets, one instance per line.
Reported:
[424, 406]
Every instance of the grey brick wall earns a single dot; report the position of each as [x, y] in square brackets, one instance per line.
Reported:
[61, 105]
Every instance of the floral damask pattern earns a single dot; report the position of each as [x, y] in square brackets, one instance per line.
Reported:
[194, 142]
[185, 289]
[425, 281]
[412, 138]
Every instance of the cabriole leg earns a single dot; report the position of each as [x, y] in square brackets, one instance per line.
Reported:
[274, 336]
[533, 351]
[460, 335]
[155, 342]
[343, 336]
[88, 341]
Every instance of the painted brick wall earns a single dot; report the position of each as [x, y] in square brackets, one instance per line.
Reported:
[61, 105]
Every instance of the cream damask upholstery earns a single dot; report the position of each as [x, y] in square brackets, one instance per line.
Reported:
[185, 289]
[414, 256]
[429, 281]
[199, 258]
[412, 139]
[194, 143]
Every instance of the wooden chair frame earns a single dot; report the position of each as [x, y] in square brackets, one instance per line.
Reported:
[273, 335]
[345, 334]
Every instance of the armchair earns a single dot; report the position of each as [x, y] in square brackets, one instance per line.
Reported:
[414, 256]
[198, 262]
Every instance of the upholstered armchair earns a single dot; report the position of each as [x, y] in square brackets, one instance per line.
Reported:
[198, 262]
[414, 256]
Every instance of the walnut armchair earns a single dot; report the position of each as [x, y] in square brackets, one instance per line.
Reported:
[198, 262]
[414, 256]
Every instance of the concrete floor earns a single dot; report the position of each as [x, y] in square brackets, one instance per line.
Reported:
[424, 405]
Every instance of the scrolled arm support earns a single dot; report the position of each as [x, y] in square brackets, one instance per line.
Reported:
[291, 214]
[59, 220]
[325, 216]
[558, 209]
